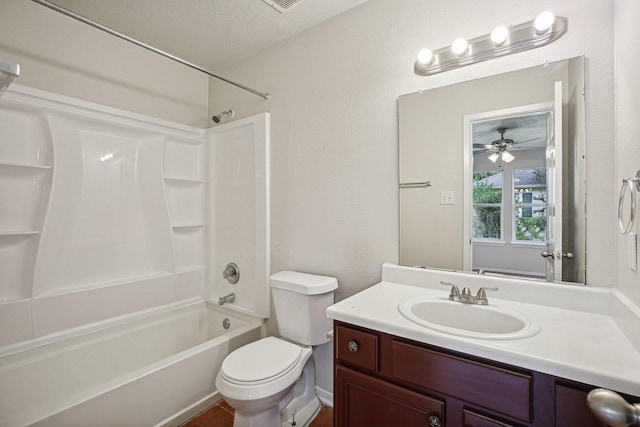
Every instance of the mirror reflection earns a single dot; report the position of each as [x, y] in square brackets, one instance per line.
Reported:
[503, 157]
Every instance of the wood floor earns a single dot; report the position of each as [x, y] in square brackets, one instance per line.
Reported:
[221, 415]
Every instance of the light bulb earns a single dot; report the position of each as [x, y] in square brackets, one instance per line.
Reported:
[499, 35]
[544, 21]
[494, 157]
[425, 57]
[507, 157]
[459, 46]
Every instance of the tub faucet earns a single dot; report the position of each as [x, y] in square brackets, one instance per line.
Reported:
[227, 299]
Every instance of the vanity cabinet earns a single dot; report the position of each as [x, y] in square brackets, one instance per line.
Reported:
[384, 380]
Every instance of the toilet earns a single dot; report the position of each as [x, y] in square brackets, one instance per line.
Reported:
[271, 382]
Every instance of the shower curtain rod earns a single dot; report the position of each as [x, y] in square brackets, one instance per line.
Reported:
[94, 24]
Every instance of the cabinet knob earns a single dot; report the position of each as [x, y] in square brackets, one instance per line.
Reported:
[353, 346]
[434, 421]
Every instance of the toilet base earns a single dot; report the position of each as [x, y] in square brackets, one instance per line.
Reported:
[304, 405]
[303, 416]
[260, 413]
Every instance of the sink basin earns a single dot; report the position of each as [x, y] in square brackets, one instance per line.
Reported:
[491, 322]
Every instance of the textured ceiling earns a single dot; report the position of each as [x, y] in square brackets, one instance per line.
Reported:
[210, 33]
[531, 128]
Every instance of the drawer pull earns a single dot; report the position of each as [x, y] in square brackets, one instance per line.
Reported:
[434, 421]
[353, 346]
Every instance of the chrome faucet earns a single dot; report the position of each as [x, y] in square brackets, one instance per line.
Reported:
[465, 296]
[227, 299]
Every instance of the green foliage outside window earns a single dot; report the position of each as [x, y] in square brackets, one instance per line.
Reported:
[487, 207]
[530, 211]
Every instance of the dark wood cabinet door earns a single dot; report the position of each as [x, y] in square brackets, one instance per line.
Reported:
[364, 401]
[572, 409]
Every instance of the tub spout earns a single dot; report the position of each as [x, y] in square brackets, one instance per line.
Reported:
[227, 299]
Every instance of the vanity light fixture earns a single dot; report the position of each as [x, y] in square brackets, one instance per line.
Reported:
[499, 35]
[425, 57]
[545, 29]
[460, 46]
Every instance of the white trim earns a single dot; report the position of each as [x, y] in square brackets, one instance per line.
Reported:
[326, 397]
[58, 102]
[468, 121]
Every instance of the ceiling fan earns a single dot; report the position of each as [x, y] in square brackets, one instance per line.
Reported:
[498, 148]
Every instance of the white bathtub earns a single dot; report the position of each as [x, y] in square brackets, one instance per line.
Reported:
[155, 368]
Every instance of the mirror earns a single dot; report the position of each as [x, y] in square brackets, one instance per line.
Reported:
[492, 174]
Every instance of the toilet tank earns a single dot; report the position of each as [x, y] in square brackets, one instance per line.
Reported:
[300, 301]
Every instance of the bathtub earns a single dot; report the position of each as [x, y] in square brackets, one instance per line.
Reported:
[152, 368]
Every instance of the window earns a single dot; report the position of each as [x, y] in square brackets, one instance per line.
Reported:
[530, 204]
[487, 205]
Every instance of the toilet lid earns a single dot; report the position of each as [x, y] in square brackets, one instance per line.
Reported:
[260, 361]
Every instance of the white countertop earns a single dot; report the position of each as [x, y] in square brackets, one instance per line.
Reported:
[578, 340]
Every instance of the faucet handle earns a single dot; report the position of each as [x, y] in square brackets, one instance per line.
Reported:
[454, 295]
[481, 296]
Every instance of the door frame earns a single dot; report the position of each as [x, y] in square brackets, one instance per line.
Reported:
[467, 150]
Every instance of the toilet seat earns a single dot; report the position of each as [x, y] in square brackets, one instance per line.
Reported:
[260, 362]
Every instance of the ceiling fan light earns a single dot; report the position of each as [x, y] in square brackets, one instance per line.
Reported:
[494, 157]
[507, 157]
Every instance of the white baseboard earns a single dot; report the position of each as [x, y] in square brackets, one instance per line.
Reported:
[326, 397]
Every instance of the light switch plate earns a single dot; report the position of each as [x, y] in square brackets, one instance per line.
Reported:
[632, 251]
[447, 197]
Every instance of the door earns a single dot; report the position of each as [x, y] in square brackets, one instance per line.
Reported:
[365, 401]
[505, 207]
[554, 248]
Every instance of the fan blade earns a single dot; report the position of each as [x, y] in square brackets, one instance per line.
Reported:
[526, 140]
[483, 146]
[512, 148]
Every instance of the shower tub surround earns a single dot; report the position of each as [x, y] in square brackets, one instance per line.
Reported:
[155, 368]
[104, 293]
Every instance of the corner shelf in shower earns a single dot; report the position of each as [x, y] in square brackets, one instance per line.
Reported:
[181, 270]
[9, 233]
[187, 225]
[35, 166]
[187, 181]
[24, 184]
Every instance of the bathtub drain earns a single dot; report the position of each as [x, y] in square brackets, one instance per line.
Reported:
[226, 323]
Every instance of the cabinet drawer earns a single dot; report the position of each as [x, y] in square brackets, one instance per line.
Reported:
[357, 348]
[498, 389]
